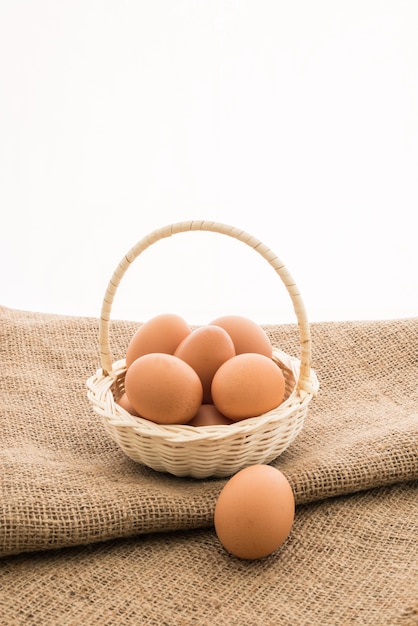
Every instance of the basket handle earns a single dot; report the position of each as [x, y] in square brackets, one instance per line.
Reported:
[304, 383]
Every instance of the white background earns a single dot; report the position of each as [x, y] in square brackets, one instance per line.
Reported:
[293, 120]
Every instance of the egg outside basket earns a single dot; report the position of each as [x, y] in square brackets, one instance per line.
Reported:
[205, 451]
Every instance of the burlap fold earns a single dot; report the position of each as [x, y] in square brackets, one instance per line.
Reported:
[64, 483]
[351, 560]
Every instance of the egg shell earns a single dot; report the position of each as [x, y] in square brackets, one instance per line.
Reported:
[205, 350]
[247, 385]
[163, 388]
[254, 512]
[246, 334]
[161, 333]
[125, 404]
[208, 415]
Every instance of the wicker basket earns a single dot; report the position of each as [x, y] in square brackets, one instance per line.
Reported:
[209, 451]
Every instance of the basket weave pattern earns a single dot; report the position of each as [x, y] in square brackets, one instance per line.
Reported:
[202, 452]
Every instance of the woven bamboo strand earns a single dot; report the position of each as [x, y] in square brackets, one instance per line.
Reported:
[304, 381]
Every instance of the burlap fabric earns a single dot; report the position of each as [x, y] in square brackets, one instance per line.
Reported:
[87, 536]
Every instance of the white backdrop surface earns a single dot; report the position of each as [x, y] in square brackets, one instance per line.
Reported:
[295, 121]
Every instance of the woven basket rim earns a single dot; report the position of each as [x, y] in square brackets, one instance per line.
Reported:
[101, 385]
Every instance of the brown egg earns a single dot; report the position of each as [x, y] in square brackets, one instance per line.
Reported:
[125, 404]
[254, 512]
[163, 388]
[205, 349]
[208, 415]
[161, 333]
[247, 386]
[246, 334]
